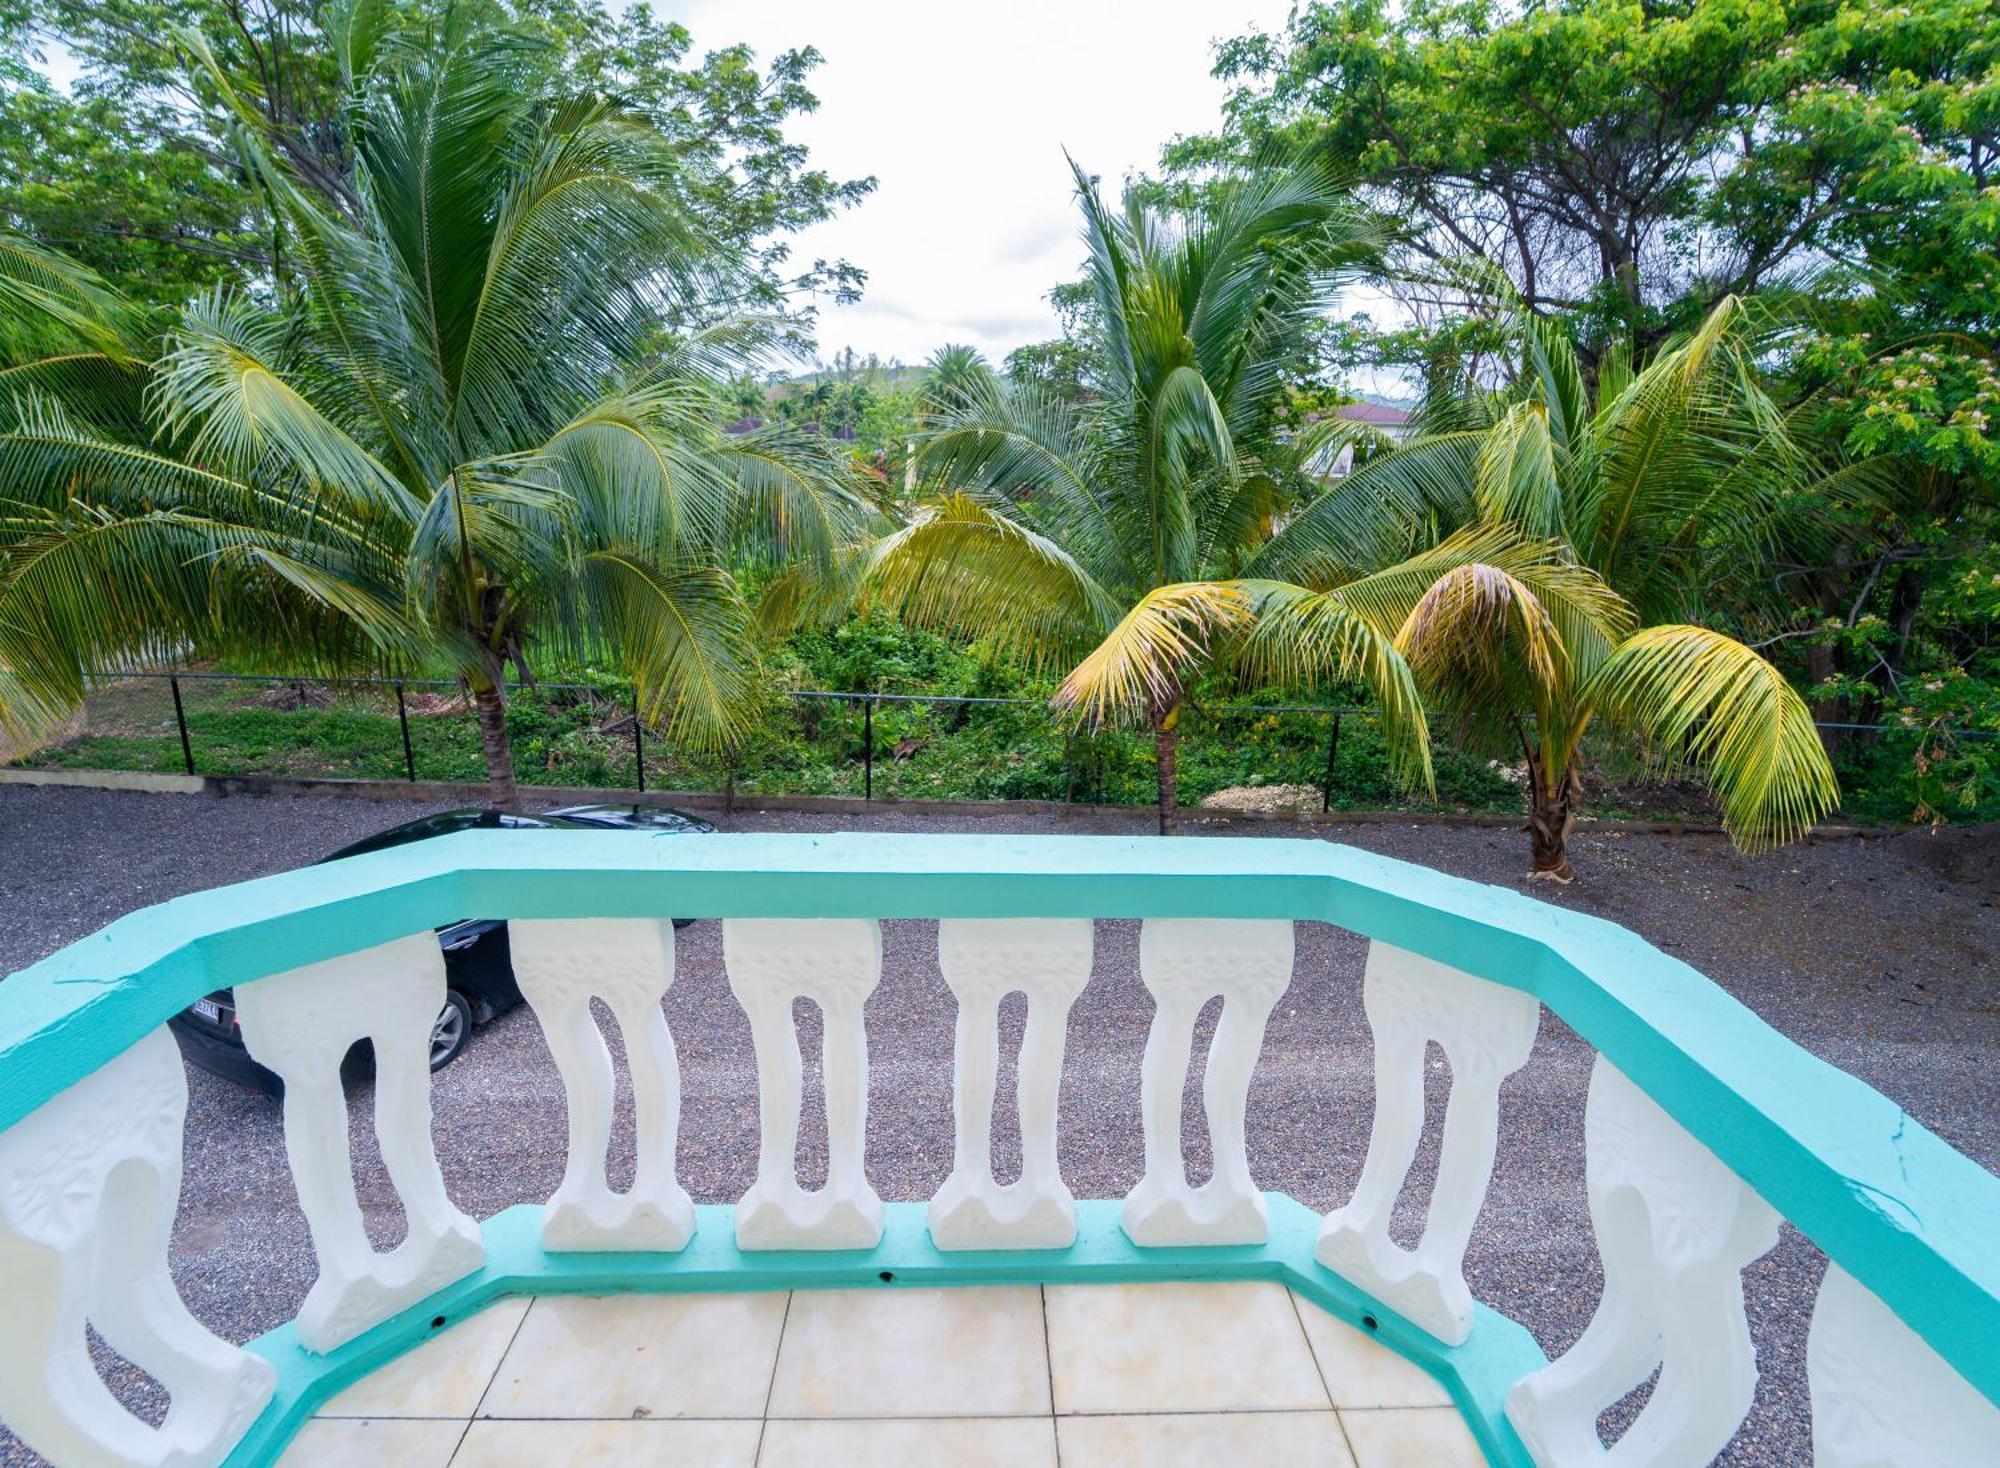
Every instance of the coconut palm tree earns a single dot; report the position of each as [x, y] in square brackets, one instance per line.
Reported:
[1099, 537]
[482, 422]
[1539, 558]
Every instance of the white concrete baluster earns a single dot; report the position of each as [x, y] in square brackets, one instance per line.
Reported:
[561, 964]
[1486, 1032]
[836, 963]
[1185, 962]
[89, 1182]
[984, 960]
[1881, 1398]
[300, 1024]
[1675, 1230]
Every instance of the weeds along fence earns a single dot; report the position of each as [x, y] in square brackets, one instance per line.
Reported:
[803, 742]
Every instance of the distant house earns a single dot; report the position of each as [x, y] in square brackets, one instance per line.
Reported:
[1392, 422]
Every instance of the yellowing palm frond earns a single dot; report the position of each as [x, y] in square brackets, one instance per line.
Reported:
[1589, 617]
[1706, 700]
[1139, 670]
[1472, 623]
[1305, 637]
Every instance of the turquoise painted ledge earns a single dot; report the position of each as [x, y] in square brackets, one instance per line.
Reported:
[1478, 1373]
[1909, 1217]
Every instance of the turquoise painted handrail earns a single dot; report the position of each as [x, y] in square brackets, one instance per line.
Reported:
[1909, 1217]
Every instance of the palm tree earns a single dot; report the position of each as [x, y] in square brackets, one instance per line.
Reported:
[1100, 537]
[482, 421]
[1539, 555]
[955, 375]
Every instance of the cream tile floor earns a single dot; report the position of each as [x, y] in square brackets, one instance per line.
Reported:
[1072, 1376]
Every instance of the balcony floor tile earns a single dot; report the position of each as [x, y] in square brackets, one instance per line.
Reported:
[1180, 1375]
[500, 1443]
[640, 1356]
[1180, 1348]
[1411, 1437]
[444, 1377]
[1362, 1372]
[361, 1442]
[1203, 1439]
[965, 1352]
[946, 1442]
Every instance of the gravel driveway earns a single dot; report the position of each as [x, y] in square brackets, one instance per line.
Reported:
[1880, 955]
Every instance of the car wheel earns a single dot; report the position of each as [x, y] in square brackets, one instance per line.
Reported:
[453, 1030]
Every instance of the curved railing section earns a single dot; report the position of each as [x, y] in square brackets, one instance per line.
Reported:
[1704, 1128]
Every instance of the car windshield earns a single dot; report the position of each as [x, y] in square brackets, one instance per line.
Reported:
[446, 823]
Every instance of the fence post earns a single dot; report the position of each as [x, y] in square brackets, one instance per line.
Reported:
[1332, 749]
[403, 718]
[638, 746]
[181, 722]
[868, 749]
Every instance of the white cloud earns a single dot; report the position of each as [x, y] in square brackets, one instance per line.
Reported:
[962, 113]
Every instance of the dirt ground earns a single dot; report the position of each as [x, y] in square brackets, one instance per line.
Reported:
[1881, 955]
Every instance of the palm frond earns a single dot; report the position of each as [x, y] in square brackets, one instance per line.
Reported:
[1138, 671]
[1516, 479]
[683, 633]
[1387, 508]
[1705, 700]
[220, 390]
[964, 566]
[1302, 638]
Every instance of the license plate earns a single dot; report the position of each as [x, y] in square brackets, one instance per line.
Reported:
[209, 1010]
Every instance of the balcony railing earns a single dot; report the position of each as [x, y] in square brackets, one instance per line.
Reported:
[1704, 1128]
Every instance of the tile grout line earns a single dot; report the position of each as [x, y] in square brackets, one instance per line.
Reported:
[501, 1360]
[1340, 1422]
[771, 1386]
[1049, 1359]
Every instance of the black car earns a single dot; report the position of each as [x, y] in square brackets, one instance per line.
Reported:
[479, 975]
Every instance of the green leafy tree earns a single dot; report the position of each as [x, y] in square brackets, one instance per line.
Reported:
[1637, 163]
[469, 435]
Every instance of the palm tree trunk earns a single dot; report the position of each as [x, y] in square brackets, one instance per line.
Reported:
[489, 701]
[1551, 818]
[1164, 760]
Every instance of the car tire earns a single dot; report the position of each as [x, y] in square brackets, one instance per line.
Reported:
[453, 1030]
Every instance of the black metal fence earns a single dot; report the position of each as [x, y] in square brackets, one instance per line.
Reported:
[804, 742]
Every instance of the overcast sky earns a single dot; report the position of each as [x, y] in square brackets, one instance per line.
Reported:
[962, 113]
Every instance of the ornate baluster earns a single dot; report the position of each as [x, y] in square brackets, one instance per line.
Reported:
[1185, 962]
[561, 964]
[301, 1024]
[836, 963]
[89, 1182]
[1881, 1398]
[1675, 1230]
[984, 960]
[1486, 1032]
